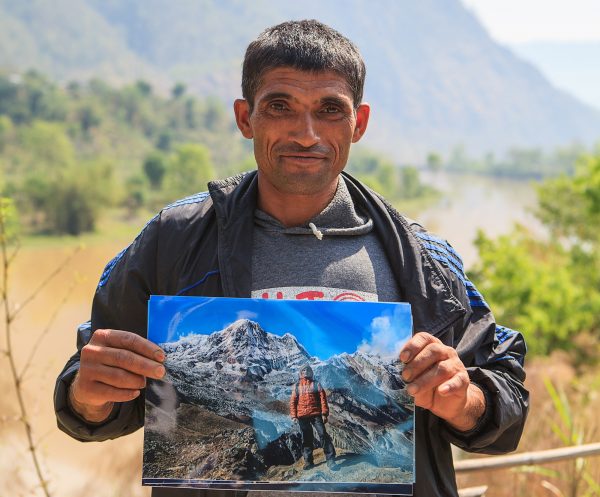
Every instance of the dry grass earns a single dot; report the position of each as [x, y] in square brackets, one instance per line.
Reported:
[582, 390]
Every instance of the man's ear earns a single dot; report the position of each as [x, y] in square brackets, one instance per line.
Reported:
[362, 120]
[241, 109]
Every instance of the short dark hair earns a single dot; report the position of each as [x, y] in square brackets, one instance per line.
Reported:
[308, 45]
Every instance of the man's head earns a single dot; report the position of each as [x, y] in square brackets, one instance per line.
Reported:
[305, 45]
[302, 85]
[306, 372]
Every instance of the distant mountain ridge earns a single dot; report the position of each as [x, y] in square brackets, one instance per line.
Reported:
[435, 78]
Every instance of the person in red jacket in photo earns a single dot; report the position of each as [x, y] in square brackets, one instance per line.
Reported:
[308, 406]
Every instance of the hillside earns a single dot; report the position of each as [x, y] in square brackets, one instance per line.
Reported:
[435, 78]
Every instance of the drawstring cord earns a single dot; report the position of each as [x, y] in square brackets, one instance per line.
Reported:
[315, 231]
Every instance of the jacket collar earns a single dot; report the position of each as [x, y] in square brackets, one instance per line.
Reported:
[234, 200]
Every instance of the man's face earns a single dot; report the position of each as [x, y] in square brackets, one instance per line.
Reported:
[305, 373]
[302, 125]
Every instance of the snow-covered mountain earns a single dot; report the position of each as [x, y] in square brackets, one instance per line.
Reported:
[243, 346]
[245, 375]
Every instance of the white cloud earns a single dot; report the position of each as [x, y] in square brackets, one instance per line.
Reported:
[246, 315]
[387, 336]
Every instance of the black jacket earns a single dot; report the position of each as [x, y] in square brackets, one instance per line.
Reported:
[202, 246]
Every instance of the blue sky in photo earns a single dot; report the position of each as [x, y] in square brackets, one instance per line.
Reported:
[324, 328]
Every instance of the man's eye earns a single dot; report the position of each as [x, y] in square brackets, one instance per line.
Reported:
[277, 106]
[330, 109]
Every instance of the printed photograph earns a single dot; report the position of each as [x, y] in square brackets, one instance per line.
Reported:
[279, 394]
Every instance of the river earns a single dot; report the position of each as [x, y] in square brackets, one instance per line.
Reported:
[471, 202]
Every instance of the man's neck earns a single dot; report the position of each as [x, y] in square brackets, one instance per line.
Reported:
[293, 209]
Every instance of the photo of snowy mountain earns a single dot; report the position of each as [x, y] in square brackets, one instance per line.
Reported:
[251, 401]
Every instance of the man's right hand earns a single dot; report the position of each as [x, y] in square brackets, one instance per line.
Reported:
[113, 368]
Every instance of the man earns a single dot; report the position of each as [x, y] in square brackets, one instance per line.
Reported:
[308, 407]
[300, 228]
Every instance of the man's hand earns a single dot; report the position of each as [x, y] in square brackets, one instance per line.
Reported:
[113, 368]
[438, 381]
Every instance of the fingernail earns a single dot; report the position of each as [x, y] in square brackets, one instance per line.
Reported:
[406, 375]
[412, 389]
[160, 371]
[405, 356]
[444, 389]
[136, 394]
[159, 355]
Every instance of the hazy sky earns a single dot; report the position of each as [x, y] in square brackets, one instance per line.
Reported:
[517, 21]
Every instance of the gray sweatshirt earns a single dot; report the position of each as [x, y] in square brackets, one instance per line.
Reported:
[336, 256]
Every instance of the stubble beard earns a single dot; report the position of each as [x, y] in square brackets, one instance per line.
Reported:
[304, 182]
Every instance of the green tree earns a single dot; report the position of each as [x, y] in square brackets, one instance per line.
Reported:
[88, 118]
[164, 140]
[377, 171]
[45, 148]
[144, 88]
[550, 289]
[189, 170]
[434, 161]
[536, 287]
[135, 196]
[76, 200]
[410, 183]
[178, 90]
[155, 167]
[6, 131]
[214, 114]
[570, 206]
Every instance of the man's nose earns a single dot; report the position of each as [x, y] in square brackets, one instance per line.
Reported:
[305, 130]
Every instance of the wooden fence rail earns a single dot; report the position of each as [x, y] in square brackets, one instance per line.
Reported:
[527, 458]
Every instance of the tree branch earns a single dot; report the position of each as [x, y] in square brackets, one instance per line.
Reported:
[45, 283]
[45, 331]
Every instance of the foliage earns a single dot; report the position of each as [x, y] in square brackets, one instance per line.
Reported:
[517, 162]
[154, 169]
[393, 182]
[550, 290]
[570, 206]
[68, 153]
[434, 161]
[189, 169]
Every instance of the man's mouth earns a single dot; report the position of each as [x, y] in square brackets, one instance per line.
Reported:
[304, 158]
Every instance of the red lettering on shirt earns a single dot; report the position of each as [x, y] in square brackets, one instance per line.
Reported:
[349, 296]
[278, 295]
[310, 295]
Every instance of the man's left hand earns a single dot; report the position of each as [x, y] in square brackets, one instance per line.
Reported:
[438, 381]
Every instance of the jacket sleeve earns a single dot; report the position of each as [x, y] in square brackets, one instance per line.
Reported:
[294, 403]
[324, 405]
[494, 358]
[120, 302]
